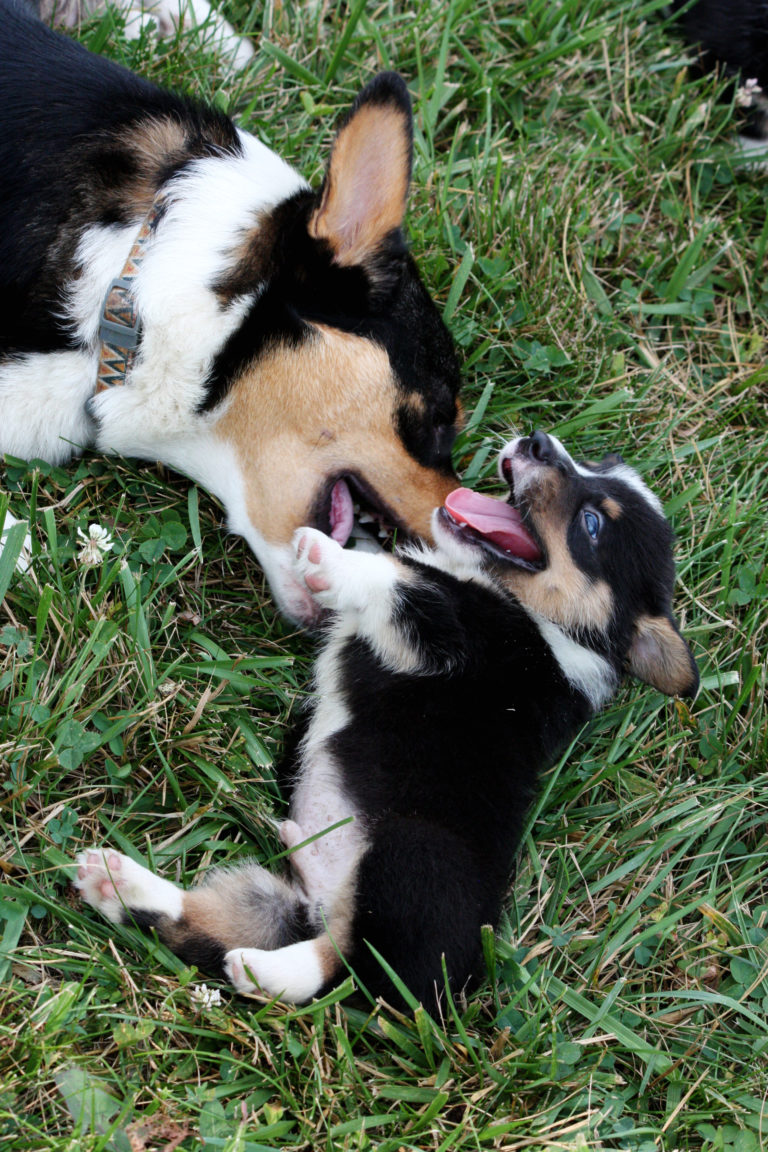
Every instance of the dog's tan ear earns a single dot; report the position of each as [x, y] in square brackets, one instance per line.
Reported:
[660, 656]
[366, 186]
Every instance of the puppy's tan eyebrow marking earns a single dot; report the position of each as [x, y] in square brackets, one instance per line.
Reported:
[612, 508]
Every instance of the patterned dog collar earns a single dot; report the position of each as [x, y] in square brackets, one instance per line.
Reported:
[119, 328]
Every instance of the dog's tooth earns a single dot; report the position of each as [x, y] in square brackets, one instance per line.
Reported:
[365, 518]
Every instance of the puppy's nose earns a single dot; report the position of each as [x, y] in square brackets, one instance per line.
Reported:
[540, 448]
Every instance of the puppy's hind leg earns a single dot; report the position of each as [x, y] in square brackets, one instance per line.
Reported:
[300, 970]
[245, 906]
[295, 973]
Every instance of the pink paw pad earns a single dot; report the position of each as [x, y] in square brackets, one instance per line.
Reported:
[315, 582]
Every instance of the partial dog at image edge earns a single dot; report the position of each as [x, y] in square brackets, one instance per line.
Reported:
[165, 17]
[450, 679]
[731, 36]
[171, 289]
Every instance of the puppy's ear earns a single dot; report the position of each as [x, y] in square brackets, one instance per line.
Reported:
[366, 186]
[611, 460]
[660, 656]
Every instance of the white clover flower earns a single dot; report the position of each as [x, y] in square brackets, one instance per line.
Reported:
[95, 545]
[746, 93]
[204, 997]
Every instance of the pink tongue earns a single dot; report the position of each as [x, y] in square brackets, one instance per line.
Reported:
[342, 512]
[496, 521]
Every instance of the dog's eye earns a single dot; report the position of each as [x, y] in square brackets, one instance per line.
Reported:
[592, 521]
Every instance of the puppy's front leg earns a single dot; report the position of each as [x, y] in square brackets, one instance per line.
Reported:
[363, 588]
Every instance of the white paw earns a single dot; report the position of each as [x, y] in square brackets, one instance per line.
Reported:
[290, 833]
[114, 884]
[338, 579]
[320, 563]
[241, 969]
[306, 862]
[293, 973]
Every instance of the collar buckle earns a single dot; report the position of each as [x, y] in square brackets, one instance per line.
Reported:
[119, 324]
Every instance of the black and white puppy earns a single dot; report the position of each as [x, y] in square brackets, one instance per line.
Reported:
[171, 289]
[450, 679]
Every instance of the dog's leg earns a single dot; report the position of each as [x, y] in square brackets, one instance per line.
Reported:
[117, 886]
[215, 31]
[363, 587]
[410, 619]
[346, 580]
[295, 973]
[167, 16]
[244, 906]
[303, 861]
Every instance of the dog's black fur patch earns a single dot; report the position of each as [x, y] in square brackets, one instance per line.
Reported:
[444, 767]
[65, 159]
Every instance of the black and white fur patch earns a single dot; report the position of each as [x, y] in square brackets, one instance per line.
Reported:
[450, 679]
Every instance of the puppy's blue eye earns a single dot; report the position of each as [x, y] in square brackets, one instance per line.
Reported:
[592, 523]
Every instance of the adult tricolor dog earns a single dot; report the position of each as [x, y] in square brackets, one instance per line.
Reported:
[274, 343]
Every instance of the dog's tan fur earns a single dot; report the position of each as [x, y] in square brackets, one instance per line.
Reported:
[324, 406]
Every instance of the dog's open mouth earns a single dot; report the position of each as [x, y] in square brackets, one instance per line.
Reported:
[353, 514]
[493, 525]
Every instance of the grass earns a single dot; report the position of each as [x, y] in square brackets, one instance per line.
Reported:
[579, 213]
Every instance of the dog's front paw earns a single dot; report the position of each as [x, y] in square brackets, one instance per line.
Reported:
[321, 564]
[117, 886]
[337, 578]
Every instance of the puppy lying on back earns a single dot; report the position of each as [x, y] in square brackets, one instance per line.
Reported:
[450, 679]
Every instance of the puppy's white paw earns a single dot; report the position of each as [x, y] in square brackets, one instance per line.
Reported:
[115, 885]
[307, 862]
[337, 578]
[293, 973]
[238, 964]
[317, 559]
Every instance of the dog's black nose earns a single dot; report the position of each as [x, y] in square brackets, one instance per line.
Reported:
[540, 448]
